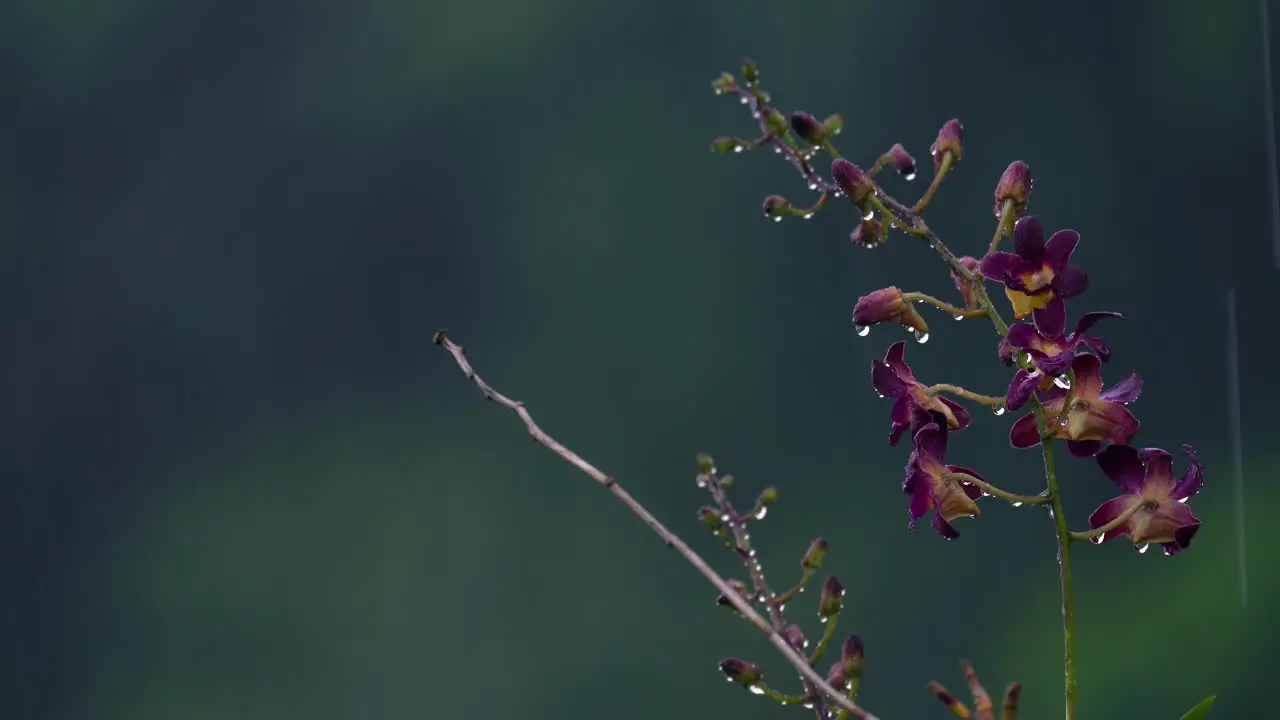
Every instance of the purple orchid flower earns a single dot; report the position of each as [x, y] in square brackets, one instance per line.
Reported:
[1095, 415]
[912, 402]
[1050, 357]
[1036, 275]
[1146, 476]
[932, 484]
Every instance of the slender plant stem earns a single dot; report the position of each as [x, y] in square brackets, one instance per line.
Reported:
[670, 539]
[994, 491]
[1098, 532]
[947, 161]
[1006, 212]
[828, 632]
[942, 305]
[966, 394]
[1063, 534]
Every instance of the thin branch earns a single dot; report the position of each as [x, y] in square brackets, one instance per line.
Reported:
[669, 538]
[994, 491]
[1119, 520]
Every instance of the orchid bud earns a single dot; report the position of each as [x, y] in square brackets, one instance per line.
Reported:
[795, 636]
[852, 181]
[869, 233]
[737, 586]
[832, 125]
[775, 206]
[832, 600]
[966, 289]
[950, 140]
[705, 464]
[750, 72]
[808, 128]
[851, 657]
[836, 678]
[899, 159]
[711, 518]
[723, 84]
[887, 305]
[1014, 187]
[814, 556]
[775, 122]
[741, 672]
[726, 145]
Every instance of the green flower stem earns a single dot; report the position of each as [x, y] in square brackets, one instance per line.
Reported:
[835, 154]
[784, 699]
[1006, 211]
[851, 693]
[798, 588]
[1064, 568]
[941, 305]
[827, 633]
[948, 160]
[994, 491]
[967, 395]
[1121, 519]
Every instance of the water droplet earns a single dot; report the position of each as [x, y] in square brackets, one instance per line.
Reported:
[1096, 540]
[921, 337]
[813, 185]
[879, 396]
[777, 150]
[724, 517]
[998, 410]
[807, 215]
[1183, 500]
[702, 480]
[778, 219]
[760, 516]
[837, 194]
[959, 318]
[738, 148]
[808, 706]
[1143, 548]
[743, 100]
[719, 91]
[756, 690]
[910, 176]
[1017, 504]
[1062, 382]
[782, 608]
[868, 214]
[862, 330]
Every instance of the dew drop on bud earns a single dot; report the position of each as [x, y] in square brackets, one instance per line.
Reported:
[807, 215]
[998, 410]
[743, 100]
[1143, 548]
[756, 690]
[1062, 383]
[813, 186]
[777, 150]
[921, 337]
[910, 176]
[959, 317]
[738, 148]
[868, 214]
[1096, 540]
[862, 330]
[1017, 504]
[778, 219]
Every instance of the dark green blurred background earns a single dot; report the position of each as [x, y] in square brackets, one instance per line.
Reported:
[241, 482]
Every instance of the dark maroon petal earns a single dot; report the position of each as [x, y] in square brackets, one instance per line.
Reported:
[1126, 391]
[1020, 388]
[1021, 336]
[886, 381]
[959, 412]
[1000, 265]
[1054, 365]
[1028, 240]
[894, 358]
[1059, 248]
[1070, 281]
[1122, 464]
[1159, 475]
[931, 442]
[1088, 371]
[1051, 320]
[1105, 420]
[1024, 433]
[1192, 478]
[921, 501]
[944, 528]
[1096, 345]
[1166, 523]
[1088, 319]
[1182, 536]
[1083, 448]
[973, 491]
[900, 415]
[1005, 351]
[1109, 511]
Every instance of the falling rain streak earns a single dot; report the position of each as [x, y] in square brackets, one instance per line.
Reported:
[1237, 443]
[1269, 123]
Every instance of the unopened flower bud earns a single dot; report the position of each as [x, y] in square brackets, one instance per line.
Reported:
[869, 233]
[741, 672]
[1015, 187]
[705, 463]
[950, 140]
[814, 556]
[726, 145]
[775, 206]
[711, 518]
[738, 586]
[750, 72]
[899, 159]
[851, 657]
[808, 128]
[966, 289]
[887, 305]
[836, 678]
[723, 84]
[1005, 351]
[852, 181]
[795, 636]
[832, 125]
[768, 496]
[832, 600]
[726, 481]
[951, 701]
[775, 122]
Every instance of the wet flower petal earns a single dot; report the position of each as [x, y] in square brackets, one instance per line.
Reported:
[1070, 281]
[1127, 390]
[944, 528]
[1051, 319]
[1024, 434]
[1028, 240]
[959, 413]
[1020, 388]
[1108, 512]
[1192, 478]
[1059, 248]
[900, 417]
[1122, 464]
[1083, 448]
[1088, 320]
[999, 265]
[886, 381]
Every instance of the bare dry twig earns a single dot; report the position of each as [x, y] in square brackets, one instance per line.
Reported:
[669, 538]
